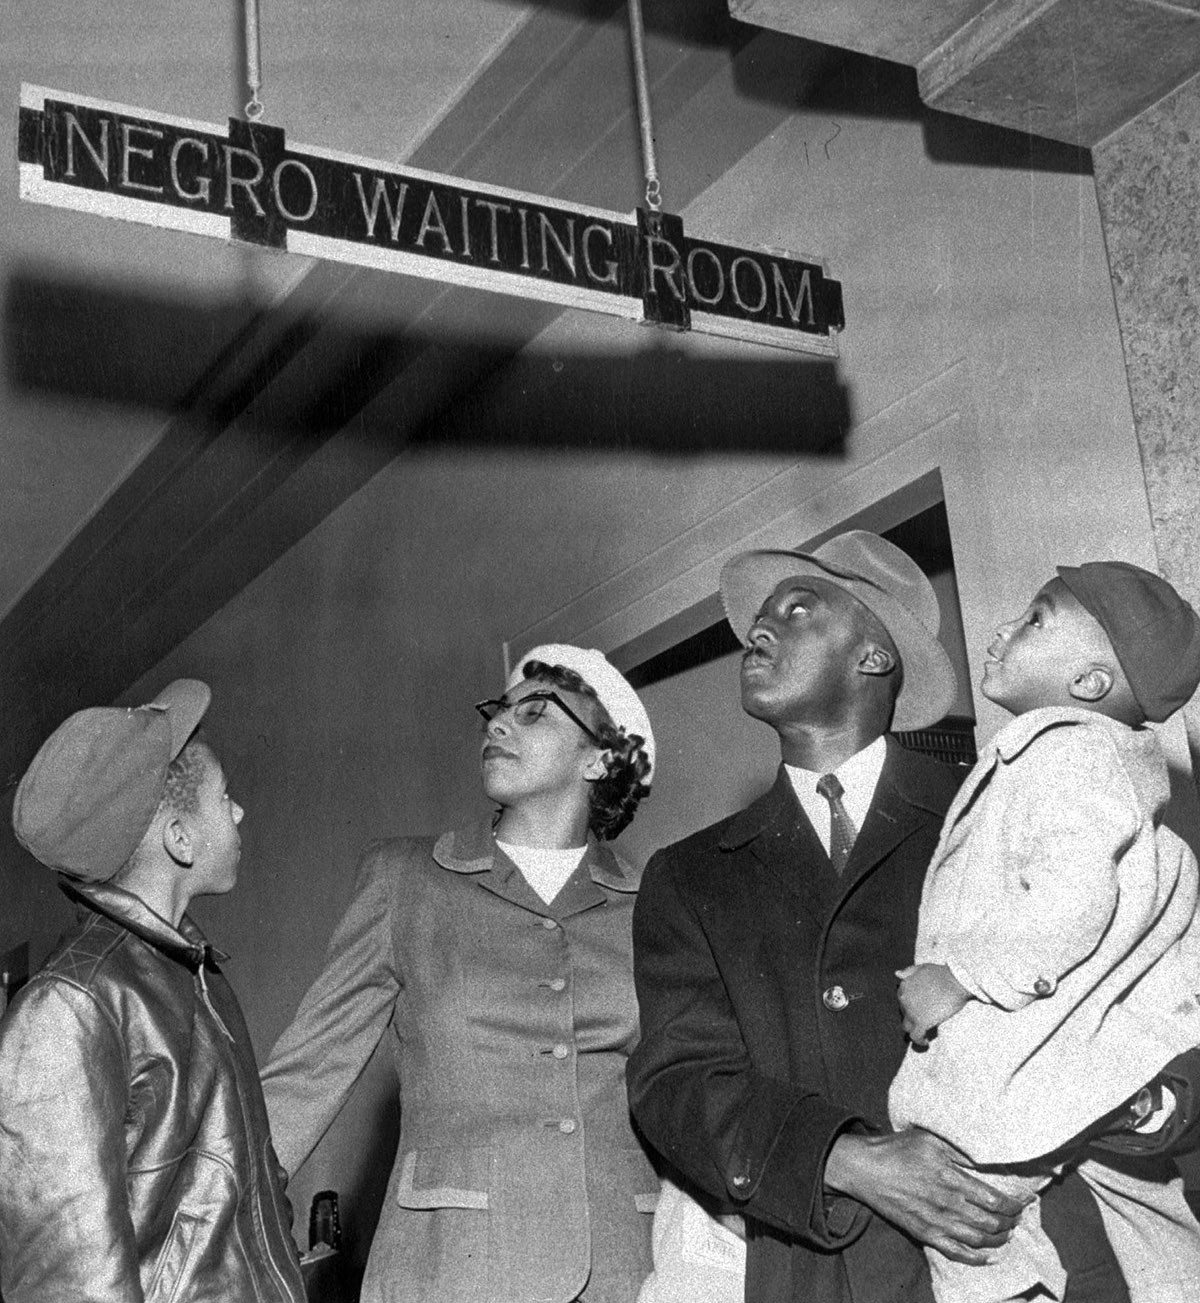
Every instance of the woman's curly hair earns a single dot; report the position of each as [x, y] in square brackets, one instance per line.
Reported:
[614, 798]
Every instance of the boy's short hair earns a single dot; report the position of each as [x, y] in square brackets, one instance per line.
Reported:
[1154, 633]
[95, 785]
[185, 775]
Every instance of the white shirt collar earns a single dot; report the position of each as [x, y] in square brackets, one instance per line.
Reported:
[859, 777]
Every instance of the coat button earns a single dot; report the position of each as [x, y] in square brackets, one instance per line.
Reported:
[834, 998]
[1042, 986]
[740, 1182]
[549, 924]
[566, 1126]
[558, 984]
[560, 1051]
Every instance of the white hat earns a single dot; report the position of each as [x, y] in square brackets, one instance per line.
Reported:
[611, 687]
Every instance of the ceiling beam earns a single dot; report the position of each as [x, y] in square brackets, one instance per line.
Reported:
[1069, 70]
[315, 395]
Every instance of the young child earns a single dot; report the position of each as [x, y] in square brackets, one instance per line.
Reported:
[1056, 949]
[134, 1147]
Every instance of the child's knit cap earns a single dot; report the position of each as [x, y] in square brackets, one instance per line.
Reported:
[1154, 632]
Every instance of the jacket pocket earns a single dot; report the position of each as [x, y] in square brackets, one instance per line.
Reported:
[625, 1177]
[171, 1268]
[641, 1178]
[444, 1178]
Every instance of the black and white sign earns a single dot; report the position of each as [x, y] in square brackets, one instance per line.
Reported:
[246, 183]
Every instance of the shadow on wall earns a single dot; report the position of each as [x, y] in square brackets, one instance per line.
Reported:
[284, 416]
[683, 22]
[839, 84]
[791, 72]
[96, 344]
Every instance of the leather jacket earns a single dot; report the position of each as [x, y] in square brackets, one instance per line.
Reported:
[136, 1161]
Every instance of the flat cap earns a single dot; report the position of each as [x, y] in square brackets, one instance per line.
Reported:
[93, 788]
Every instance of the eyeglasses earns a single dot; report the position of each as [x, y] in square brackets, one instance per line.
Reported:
[529, 709]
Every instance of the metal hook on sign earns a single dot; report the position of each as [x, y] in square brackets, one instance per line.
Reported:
[254, 107]
[645, 123]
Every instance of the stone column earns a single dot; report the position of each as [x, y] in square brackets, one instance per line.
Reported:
[1148, 184]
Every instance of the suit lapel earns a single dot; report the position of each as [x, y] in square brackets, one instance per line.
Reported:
[777, 833]
[474, 851]
[900, 807]
[505, 880]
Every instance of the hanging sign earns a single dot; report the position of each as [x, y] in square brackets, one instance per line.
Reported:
[246, 183]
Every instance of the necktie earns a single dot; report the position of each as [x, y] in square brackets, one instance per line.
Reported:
[842, 831]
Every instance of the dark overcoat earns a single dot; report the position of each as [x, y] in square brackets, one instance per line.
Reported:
[770, 1024]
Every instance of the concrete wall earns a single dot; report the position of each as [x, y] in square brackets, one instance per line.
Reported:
[344, 675]
[1148, 184]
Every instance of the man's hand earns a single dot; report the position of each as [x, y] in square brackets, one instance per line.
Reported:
[919, 1183]
[929, 995]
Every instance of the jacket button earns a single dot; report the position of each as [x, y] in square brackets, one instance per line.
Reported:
[558, 984]
[834, 998]
[549, 924]
[560, 1051]
[1042, 986]
[740, 1182]
[566, 1126]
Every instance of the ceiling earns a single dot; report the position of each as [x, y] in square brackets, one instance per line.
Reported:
[176, 412]
[1070, 70]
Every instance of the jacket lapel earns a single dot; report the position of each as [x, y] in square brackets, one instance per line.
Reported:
[600, 872]
[901, 805]
[474, 851]
[777, 833]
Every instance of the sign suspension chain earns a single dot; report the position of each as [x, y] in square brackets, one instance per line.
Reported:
[664, 297]
[637, 39]
[254, 107]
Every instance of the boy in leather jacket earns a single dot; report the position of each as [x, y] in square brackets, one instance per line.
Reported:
[134, 1146]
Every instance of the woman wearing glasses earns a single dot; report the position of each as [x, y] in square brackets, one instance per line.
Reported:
[500, 959]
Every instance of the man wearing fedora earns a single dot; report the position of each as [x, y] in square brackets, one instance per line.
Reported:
[135, 1160]
[766, 950]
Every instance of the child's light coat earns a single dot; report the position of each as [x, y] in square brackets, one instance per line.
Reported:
[1057, 898]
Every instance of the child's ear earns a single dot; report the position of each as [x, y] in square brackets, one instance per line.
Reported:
[177, 841]
[1094, 684]
[597, 767]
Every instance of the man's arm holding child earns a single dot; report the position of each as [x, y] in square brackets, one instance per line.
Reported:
[787, 1156]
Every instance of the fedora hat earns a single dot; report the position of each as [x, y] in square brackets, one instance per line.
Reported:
[887, 581]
